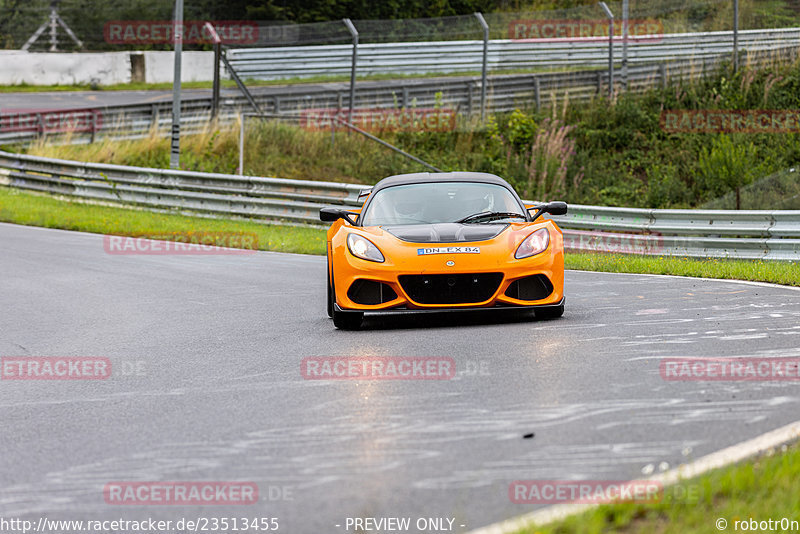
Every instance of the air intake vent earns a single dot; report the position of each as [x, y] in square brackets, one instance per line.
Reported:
[450, 288]
[536, 287]
[369, 292]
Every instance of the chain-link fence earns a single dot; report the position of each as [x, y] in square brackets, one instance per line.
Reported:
[441, 68]
[144, 24]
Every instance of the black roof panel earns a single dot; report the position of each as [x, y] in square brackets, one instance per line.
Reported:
[426, 177]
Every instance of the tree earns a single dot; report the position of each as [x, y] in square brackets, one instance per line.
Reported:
[728, 166]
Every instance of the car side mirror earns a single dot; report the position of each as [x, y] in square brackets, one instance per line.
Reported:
[556, 208]
[334, 214]
[553, 208]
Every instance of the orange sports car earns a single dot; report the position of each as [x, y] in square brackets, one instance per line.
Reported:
[443, 241]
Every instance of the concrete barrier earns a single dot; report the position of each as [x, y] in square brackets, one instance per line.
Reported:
[33, 68]
[100, 68]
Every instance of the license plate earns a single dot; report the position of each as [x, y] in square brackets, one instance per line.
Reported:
[448, 250]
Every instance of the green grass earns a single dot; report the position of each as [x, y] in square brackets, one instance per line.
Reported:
[763, 488]
[272, 149]
[786, 273]
[35, 209]
[41, 210]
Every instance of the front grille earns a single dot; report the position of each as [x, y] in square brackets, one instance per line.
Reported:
[450, 288]
[534, 287]
[369, 292]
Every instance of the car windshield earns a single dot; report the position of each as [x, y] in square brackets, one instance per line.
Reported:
[438, 202]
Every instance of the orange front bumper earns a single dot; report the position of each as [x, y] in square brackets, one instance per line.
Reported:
[401, 258]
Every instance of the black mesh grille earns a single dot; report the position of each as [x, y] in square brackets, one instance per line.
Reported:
[369, 292]
[450, 288]
[534, 287]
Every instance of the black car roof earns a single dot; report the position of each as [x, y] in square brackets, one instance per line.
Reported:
[427, 177]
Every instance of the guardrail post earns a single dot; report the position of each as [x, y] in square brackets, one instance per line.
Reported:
[484, 65]
[405, 97]
[241, 143]
[536, 93]
[154, 116]
[353, 66]
[662, 72]
[470, 88]
[94, 126]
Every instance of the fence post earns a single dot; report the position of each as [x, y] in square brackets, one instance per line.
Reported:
[484, 66]
[215, 84]
[625, 44]
[735, 35]
[610, 16]
[354, 32]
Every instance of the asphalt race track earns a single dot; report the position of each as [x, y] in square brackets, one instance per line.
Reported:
[206, 353]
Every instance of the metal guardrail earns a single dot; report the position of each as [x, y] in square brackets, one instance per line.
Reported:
[770, 235]
[503, 54]
[745, 234]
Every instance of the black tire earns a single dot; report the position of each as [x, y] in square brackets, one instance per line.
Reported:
[330, 289]
[347, 320]
[553, 312]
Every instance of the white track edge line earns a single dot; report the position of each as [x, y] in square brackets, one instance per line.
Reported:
[731, 280]
[723, 458]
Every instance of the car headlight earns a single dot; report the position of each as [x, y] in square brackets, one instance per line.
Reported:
[363, 248]
[535, 243]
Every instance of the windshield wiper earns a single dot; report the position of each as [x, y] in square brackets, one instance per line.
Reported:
[490, 215]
